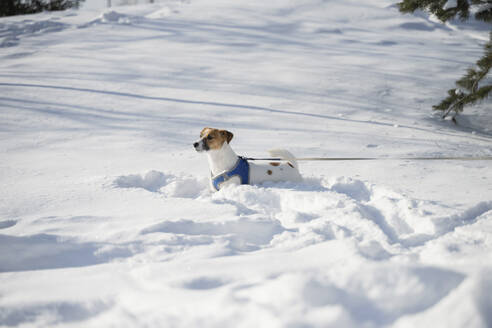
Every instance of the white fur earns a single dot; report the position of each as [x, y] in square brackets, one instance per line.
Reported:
[224, 159]
[284, 154]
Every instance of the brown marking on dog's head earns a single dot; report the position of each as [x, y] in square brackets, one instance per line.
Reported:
[269, 172]
[274, 163]
[228, 135]
[215, 138]
[205, 131]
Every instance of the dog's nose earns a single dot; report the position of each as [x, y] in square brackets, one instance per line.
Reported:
[195, 144]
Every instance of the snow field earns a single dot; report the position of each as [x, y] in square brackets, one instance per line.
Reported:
[346, 217]
[106, 219]
[310, 242]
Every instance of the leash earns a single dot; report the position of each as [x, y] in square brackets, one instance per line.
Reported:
[453, 158]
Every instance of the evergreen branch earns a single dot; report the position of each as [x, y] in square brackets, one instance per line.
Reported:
[455, 101]
[436, 7]
[469, 90]
[462, 8]
[22, 7]
[484, 15]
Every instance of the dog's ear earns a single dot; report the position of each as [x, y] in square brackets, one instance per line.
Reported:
[228, 135]
[203, 132]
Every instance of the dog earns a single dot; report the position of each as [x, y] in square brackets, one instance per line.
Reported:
[227, 168]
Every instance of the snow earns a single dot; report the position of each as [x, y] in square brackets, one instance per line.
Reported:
[450, 4]
[106, 217]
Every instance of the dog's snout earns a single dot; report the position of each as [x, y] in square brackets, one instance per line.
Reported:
[200, 145]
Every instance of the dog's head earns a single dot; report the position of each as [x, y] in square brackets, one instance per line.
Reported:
[211, 138]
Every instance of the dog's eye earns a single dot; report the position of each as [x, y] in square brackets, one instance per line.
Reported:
[209, 137]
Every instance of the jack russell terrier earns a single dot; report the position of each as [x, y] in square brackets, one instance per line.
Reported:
[227, 168]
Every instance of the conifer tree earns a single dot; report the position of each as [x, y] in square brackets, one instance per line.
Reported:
[472, 87]
[22, 7]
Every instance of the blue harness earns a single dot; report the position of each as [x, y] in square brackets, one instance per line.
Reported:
[241, 169]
